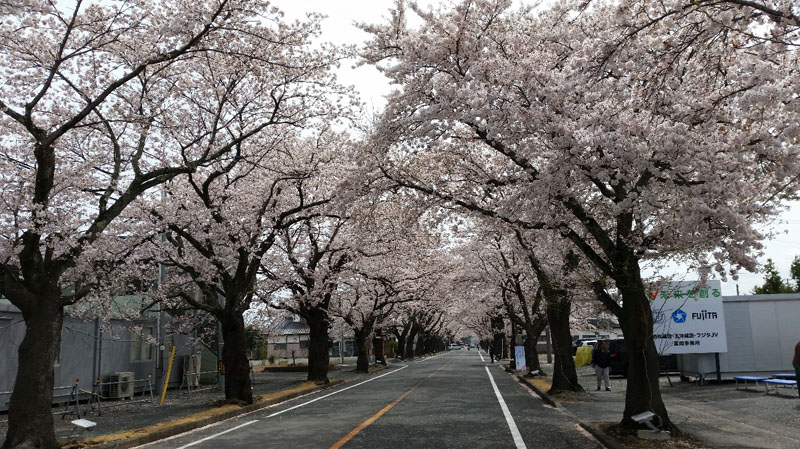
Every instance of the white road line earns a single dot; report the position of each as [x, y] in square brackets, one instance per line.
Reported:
[482, 359]
[336, 392]
[218, 434]
[512, 426]
[288, 409]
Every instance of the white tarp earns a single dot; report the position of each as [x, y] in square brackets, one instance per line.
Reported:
[688, 318]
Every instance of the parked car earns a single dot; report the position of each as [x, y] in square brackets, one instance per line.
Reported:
[453, 346]
[579, 343]
[619, 359]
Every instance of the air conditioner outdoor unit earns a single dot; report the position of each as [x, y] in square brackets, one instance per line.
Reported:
[191, 366]
[120, 385]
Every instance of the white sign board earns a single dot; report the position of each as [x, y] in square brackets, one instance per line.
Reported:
[688, 318]
[519, 358]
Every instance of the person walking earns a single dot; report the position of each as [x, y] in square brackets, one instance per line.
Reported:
[796, 363]
[601, 360]
[491, 352]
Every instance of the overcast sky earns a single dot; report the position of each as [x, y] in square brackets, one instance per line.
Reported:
[339, 28]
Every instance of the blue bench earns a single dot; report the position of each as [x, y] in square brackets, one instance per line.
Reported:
[745, 379]
[787, 376]
[779, 383]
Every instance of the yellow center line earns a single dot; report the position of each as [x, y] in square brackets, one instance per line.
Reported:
[375, 417]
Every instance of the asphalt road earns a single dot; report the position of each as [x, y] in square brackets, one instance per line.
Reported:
[455, 400]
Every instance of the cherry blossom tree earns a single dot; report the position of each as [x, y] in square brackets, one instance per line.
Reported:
[629, 148]
[536, 279]
[420, 325]
[218, 224]
[363, 304]
[561, 278]
[395, 261]
[521, 296]
[413, 322]
[305, 268]
[99, 104]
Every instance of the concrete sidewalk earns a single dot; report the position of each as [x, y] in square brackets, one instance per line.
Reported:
[719, 416]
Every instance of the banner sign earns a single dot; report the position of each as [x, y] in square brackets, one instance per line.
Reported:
[519, 358]
[688, 318]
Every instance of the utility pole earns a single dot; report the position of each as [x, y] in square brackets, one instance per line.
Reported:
[220, 345]
[159, 365]
[341, 348]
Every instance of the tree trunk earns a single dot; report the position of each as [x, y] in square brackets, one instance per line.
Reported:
[531, 353]
[377, 344]
[318, 356]
[498, 345]
[421, 346]
[402, 337]
[565, 378]
[401, 345]
[362, 343]
[430, 344]
[238, 389]
[498, 336]
[30, 412]
[412, 343]
[643, 392]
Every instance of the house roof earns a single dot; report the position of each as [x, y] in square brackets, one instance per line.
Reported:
[293, 328]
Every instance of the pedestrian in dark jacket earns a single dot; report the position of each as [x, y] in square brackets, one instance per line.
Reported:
[491, 352]
[601, 360]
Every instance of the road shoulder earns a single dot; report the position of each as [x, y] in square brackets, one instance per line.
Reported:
[144, 435]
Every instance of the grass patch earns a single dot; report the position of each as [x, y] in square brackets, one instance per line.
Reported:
[306, 385]
[542, 383]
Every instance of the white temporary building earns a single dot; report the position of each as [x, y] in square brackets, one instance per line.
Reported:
[761, 330]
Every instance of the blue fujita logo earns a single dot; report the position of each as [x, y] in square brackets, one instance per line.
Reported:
[679, 316]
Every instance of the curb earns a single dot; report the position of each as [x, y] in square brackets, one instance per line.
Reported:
[545, 397]
[604, 439]
[377, 368]
[169, 431]
[291, 369]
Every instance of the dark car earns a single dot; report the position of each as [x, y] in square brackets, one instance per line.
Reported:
[619, 359]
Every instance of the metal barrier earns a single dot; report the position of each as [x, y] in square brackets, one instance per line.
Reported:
[73, 398]
[73, 407]
[72, 394]
[189, 377]
[96, 395]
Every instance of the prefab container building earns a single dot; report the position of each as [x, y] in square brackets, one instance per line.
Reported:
[88, 351]
[761, 331]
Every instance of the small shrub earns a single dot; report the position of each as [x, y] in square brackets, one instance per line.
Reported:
[271, 359]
